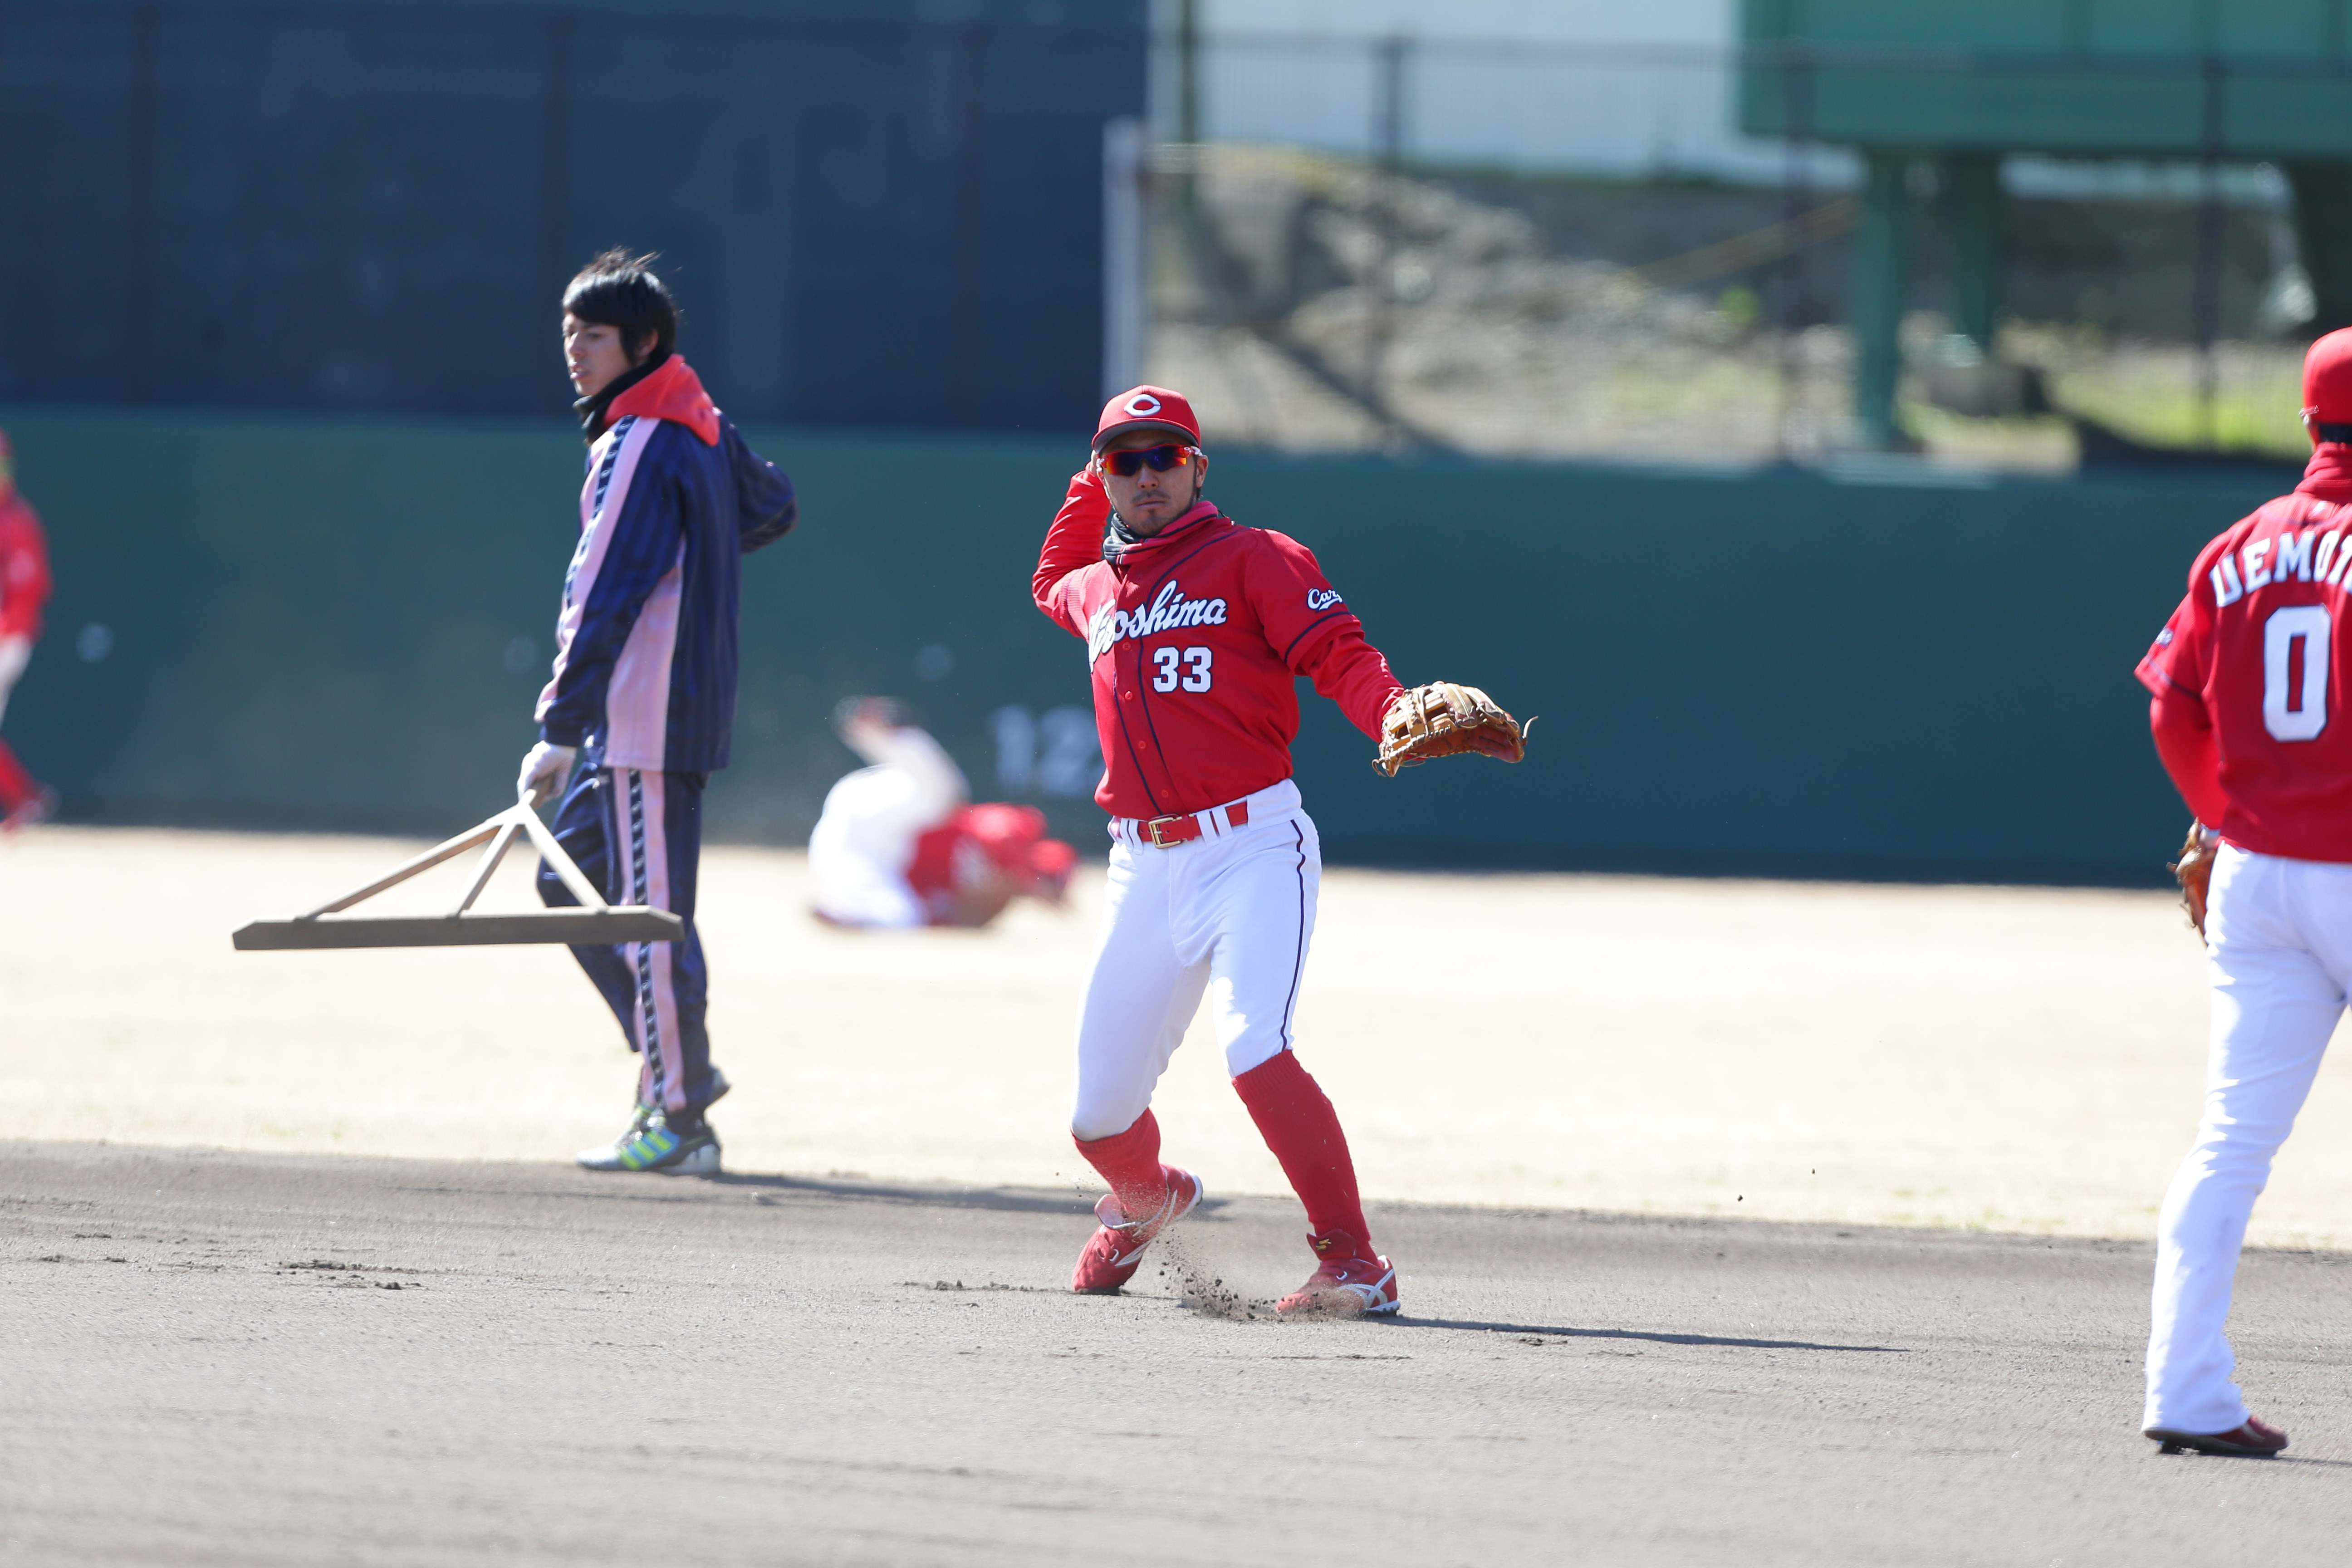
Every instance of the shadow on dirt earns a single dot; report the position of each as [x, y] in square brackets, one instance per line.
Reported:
[1533, 1331]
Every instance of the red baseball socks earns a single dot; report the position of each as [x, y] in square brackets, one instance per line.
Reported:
[1296, 1118]
[17, 785]
[1128, 1163]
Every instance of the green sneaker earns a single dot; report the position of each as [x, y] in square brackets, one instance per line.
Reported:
[650, 1143]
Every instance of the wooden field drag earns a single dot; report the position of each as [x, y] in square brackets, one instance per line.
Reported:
[2005, 1059]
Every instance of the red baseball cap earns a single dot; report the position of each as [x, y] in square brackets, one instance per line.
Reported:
[1148, 409]
[2327, 379]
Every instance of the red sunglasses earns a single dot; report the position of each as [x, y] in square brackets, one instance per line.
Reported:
[1129, 461]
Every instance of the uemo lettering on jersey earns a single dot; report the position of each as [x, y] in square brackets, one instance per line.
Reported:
[2309, 557]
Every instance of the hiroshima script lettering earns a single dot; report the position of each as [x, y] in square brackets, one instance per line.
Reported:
[1170, 611]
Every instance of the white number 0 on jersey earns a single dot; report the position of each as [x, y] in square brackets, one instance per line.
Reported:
[2305, 623]
[1168, 659]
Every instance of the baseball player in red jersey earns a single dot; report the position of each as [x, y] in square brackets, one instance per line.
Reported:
[2247, 677]
[1195, 629]
[23, 589]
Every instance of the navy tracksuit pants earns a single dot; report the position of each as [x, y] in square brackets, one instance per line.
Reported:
[637, 836]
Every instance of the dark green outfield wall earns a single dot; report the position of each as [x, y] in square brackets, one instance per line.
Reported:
[311, 624]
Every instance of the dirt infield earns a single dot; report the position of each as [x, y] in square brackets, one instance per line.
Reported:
[289, 1358]
[2001, 1058]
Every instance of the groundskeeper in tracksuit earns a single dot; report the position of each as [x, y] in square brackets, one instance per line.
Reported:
[645, 686]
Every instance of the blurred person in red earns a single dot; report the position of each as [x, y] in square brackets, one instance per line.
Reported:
[23, 589]
[898, 844]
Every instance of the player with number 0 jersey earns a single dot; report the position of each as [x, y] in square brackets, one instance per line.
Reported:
[2248, 681]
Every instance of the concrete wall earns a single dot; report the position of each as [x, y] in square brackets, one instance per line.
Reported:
[318, 622]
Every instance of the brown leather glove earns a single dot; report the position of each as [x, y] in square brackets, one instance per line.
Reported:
[2194, 871]
[1441, 720]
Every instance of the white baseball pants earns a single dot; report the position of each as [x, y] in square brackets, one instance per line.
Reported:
[1231, 914]
[2278, 939]
[16, 652]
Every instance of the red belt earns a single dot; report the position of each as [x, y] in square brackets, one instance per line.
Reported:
[1167, 832]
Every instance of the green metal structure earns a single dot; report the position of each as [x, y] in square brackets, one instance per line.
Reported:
[1901, 81]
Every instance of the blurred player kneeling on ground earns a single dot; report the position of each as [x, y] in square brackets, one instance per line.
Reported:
[898, 846]
[643, 698]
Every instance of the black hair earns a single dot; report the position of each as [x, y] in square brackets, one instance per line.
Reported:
[618, 290]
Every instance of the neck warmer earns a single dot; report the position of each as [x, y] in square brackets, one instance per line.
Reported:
[1119, 539]
[2328, 476]
[672, 392]
[592, 407]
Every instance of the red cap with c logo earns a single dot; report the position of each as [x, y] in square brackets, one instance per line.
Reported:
[1148, 409]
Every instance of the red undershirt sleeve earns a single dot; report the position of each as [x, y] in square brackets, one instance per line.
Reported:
[1354, 674]
[2184, 743]
[1073, 544]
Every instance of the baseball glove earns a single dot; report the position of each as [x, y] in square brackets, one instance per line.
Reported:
[2194, 872]
[1442, 719]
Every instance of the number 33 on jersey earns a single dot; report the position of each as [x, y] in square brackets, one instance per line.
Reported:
[2259, 641]
[1195, 659]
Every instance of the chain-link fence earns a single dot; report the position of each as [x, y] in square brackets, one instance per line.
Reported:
[1560, 251]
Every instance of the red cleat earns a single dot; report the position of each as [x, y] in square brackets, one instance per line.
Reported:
[1115, 1251]
[1345, 1286]
[2257, 1439]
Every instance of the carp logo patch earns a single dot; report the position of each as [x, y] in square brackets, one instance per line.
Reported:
[1142, 405]
[1322, 598]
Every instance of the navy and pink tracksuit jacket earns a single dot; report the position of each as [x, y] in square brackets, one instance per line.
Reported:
[645, 642]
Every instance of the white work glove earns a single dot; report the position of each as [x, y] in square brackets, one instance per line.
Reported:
[546, 769]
